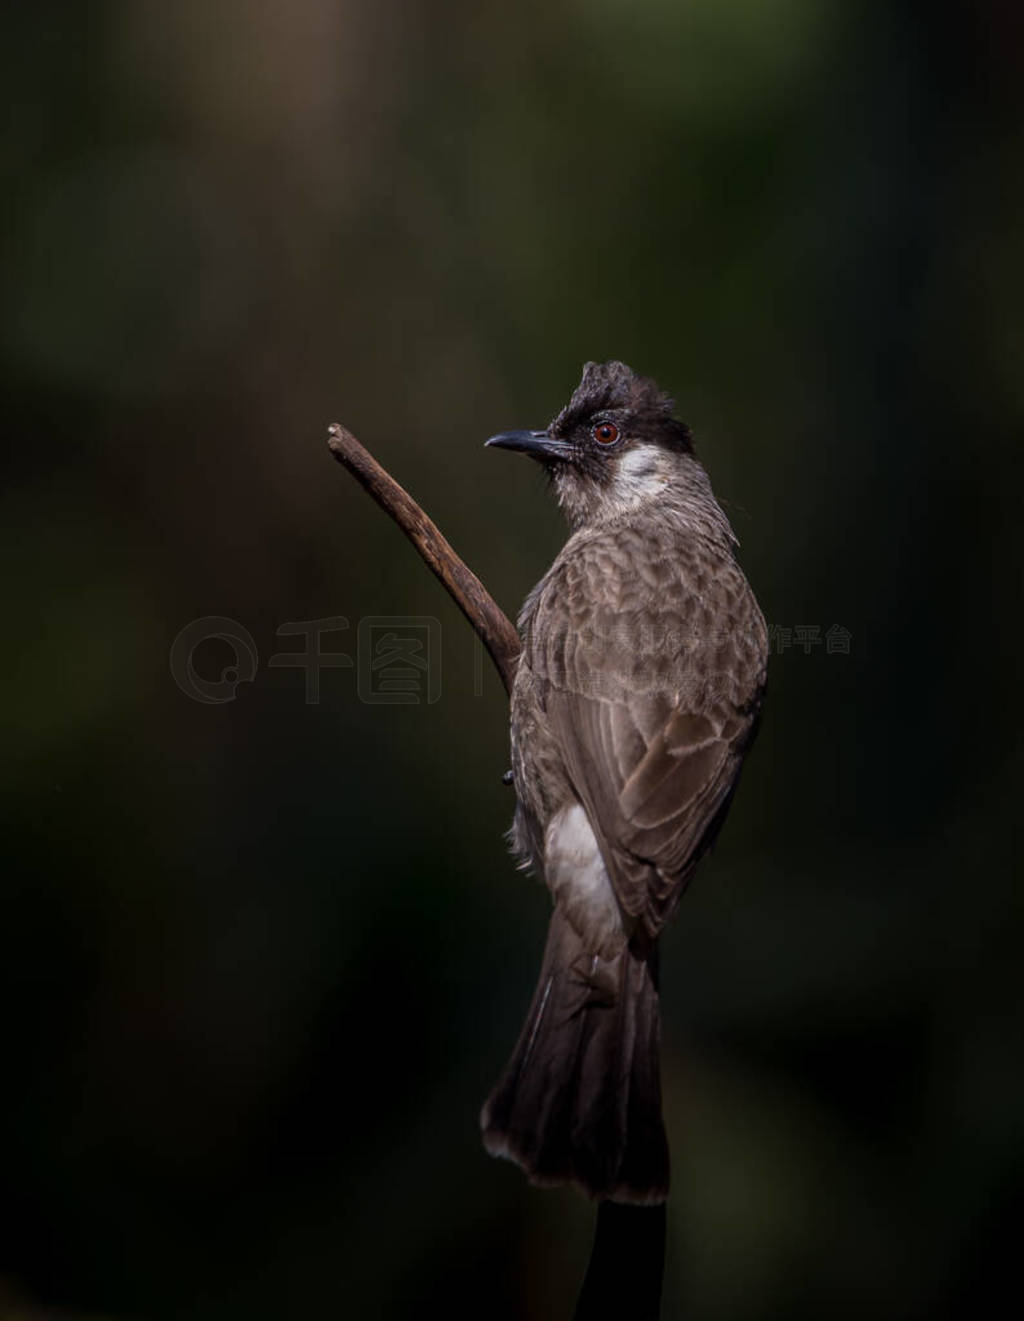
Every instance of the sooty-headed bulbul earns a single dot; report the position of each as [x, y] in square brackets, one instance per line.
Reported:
[635, 700]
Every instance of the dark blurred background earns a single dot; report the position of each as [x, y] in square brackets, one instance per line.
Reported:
[260, 959]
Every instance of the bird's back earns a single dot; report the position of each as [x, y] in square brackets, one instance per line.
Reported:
[643, 641]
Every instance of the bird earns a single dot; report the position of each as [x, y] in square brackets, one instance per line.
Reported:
[636, 697]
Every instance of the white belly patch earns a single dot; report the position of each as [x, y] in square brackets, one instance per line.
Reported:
[576, 875]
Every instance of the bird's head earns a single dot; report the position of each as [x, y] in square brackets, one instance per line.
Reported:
[613, 446]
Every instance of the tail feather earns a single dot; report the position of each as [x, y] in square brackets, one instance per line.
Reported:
[580, 1099]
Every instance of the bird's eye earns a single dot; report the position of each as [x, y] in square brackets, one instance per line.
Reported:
[605, 433]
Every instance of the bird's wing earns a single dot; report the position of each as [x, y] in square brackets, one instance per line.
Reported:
[652, 710]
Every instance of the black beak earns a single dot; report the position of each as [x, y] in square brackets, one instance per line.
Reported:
[538, 444]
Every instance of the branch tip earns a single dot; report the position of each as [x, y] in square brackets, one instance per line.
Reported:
[492, 626]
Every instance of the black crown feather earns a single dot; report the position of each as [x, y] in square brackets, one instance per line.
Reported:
[612, 386]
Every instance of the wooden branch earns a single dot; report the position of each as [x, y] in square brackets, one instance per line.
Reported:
[495, 630]
[627, 1265]
[627, 1261]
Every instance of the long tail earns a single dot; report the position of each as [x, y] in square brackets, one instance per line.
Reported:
[580, 1100]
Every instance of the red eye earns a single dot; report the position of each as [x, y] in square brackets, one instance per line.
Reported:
[606, 433]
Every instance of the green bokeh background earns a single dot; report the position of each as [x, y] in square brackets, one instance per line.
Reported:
[260, 961]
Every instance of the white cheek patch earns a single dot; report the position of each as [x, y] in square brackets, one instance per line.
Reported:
[642, 472]
[576, 875]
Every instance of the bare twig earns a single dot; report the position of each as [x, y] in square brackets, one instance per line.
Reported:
[627, 1264]
[625, 1273]
[493, 626]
